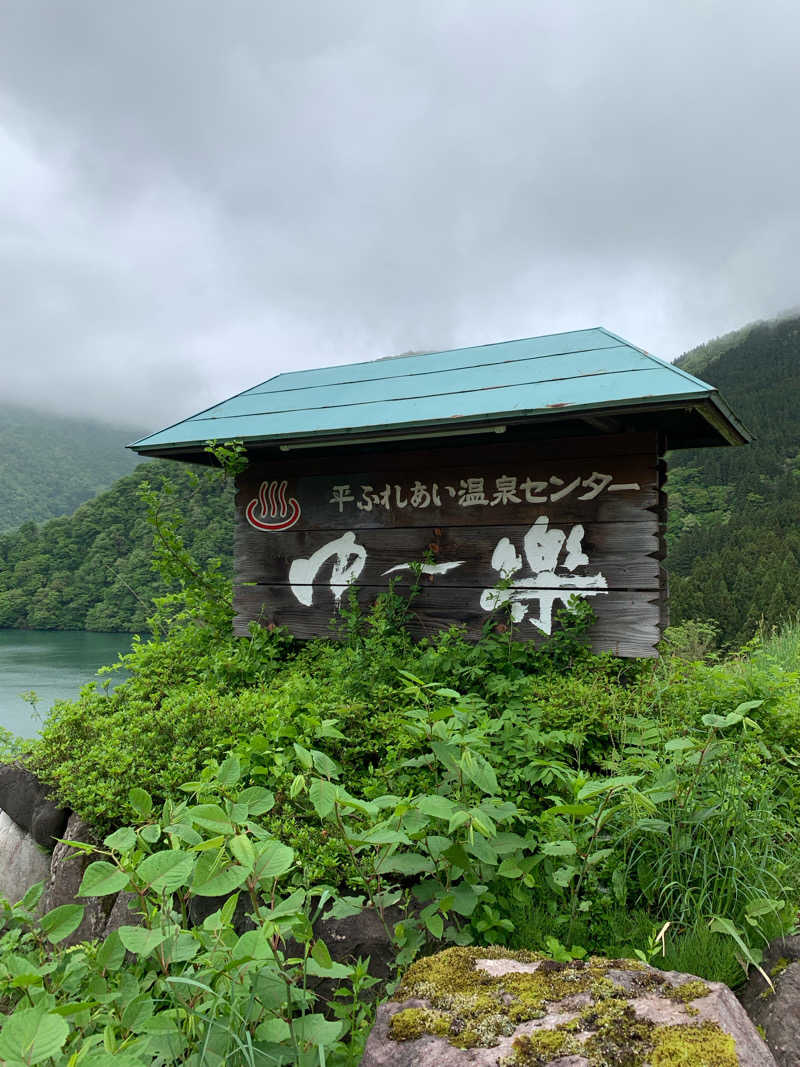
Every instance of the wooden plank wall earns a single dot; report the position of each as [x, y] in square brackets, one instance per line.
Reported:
[580, 515]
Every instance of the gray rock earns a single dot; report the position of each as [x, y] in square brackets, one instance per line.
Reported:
[123, 913]
[23, 863]
[616, 1009]
[361, 936]
[28, 803]
[66, 872]
[778, 1012]
[200, 908]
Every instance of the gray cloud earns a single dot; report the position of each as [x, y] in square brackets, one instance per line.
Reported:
[194, 196]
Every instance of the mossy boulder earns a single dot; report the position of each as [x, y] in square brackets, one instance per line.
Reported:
[496, 1008]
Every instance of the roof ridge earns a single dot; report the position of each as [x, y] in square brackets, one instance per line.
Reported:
[661, 362]
[439, 351]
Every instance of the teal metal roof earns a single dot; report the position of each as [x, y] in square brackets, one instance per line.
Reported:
[555, 375]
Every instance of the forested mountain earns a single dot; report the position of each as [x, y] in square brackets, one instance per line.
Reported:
[92, 570]
[734, 555]
[49, 464]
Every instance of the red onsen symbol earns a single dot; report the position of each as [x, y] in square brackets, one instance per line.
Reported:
[272, 501]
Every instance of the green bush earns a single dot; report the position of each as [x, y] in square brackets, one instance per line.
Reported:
[571, 790]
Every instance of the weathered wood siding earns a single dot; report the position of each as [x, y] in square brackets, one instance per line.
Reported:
[579, 516]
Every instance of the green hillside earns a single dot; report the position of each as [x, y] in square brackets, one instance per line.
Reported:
[734, 554]
[49, 464]
[92, 570]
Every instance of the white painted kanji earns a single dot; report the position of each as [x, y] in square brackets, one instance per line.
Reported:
[542, 548]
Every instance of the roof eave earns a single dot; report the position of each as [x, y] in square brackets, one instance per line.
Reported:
[709, 405]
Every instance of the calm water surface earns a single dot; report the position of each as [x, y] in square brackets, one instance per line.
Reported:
[55, 665]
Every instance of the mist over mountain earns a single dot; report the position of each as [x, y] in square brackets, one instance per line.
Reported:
[50, 464]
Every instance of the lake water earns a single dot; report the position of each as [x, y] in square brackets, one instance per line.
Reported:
[54, 664]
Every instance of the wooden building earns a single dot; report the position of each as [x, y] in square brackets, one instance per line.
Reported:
[517, 474]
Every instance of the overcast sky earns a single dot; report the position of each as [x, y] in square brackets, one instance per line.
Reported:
[197, 195]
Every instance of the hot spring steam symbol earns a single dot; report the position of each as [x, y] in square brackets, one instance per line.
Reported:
[272, 501]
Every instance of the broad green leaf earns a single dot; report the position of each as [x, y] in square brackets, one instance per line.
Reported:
[457, 856]
[482, 850]
[680, 744]
[598, 856]
[211, 817]
[763, 907]
[323, 797]
[336, 970]
[328, 730]
[381, 836]
[482, 823]
[136, 1012]
[219, 883]
[140, 801]
[101, 879]
[435, 924]
[210, 844]
[457, 820]
[437, 807]
[275, 1031]
[479, 771]
[61, 922]
[19, 966]
[344, 907]
[320, 953]
[140, 940]
[166, 871]
[150, 833]
[122, 840]
[304, 756]
[407, 863]
[509, 868]
[564, 875]
[323, 764]
[228, 909]
[33, 896]
[465, 898]
[715, 722]
[242, 850]
[187, 834]
[301, 927]
[252, 945]
[289, 905]
[623, 781]
[32, 1035]
[75, 1008]
[316, 1030]
[229, 772]
[559, 848]
[111, 953]
[749, 705]
[258, 800]
[272, 859]
[507, 842]
[446, 754]
[437, 844]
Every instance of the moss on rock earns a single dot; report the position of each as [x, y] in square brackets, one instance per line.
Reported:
[699, 1045]
[411, 1023]
[471, 1007]
[686, 992]
[538, 1049]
